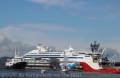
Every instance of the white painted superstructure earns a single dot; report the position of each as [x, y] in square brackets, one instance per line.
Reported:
[43, 52]
[69, 55]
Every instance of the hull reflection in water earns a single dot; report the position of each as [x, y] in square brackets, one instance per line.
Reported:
[30, 73]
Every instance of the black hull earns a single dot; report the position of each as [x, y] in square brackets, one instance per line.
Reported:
[19, 65]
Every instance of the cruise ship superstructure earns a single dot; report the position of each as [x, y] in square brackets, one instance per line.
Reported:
[43, 52]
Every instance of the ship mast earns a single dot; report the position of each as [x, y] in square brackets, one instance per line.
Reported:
[15, 53]
[94, 47]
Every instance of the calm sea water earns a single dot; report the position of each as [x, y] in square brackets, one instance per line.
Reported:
[35, 73]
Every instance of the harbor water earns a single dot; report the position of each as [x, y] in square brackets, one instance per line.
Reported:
[38, 73]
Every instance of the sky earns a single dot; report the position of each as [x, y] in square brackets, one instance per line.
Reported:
[60, 22]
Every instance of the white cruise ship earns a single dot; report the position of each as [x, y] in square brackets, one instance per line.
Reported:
[69, 57]
[43, 52]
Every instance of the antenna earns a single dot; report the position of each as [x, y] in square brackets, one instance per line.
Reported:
[70, 45]
[103, 51]
[15, 52]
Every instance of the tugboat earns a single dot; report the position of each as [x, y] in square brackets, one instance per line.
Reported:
[16, 62]
[96, 64]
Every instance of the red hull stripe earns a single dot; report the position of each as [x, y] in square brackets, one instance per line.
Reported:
[87, 68]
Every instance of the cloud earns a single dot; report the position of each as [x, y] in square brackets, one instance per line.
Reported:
[49, 2]
[23, 34]
[34, 33]
[7, 46]
[49, 34]
[49, 27]
[76, 4]
[112, 54]
[114, 44]
[85, 8]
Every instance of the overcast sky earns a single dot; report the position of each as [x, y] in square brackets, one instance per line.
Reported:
[60, 22]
